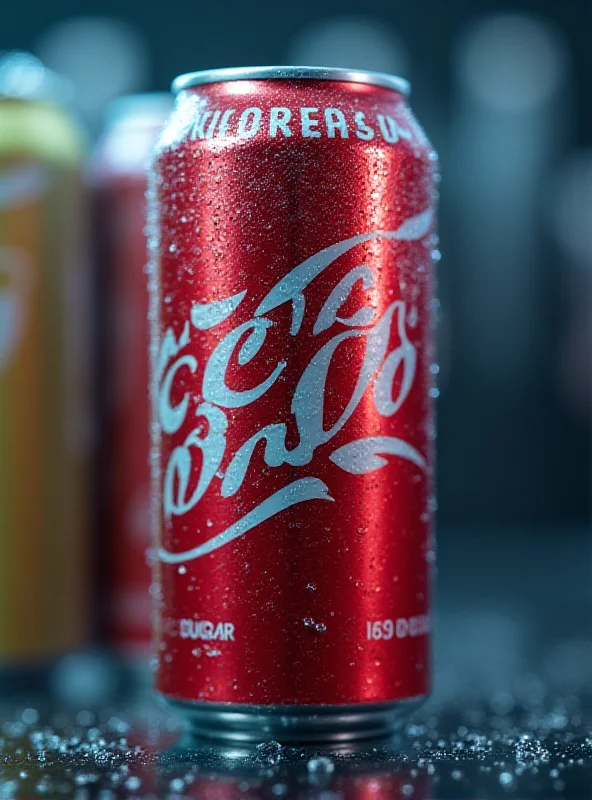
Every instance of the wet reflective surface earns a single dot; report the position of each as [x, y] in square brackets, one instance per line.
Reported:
[540, 749]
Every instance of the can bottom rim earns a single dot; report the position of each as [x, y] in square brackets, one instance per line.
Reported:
[294, 724]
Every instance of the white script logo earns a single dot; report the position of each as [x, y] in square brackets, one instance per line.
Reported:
[378, 370]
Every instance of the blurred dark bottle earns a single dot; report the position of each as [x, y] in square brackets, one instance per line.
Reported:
[44, 432]
[119, 173]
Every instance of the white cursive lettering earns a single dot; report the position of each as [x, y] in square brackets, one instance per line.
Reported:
[187, 478]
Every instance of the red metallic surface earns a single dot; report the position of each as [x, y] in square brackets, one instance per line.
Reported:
[121, 163]
[236, 214]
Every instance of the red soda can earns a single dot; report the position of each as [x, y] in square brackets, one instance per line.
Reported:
[120, 166]
[291, 230]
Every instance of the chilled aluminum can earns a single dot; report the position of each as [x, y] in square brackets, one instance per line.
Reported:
[44, 606]
[119, 172]
[291, 229]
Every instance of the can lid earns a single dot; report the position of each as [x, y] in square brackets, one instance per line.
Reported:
[383, 79]
[25, 77]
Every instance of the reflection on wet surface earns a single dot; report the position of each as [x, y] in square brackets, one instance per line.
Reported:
[538, 750]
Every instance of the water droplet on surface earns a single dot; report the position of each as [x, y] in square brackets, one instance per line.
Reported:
[506, 779]
[270, 752]
[320, 769]
[30, 716]
[310, 623]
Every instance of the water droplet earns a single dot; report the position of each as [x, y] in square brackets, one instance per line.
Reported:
[83, 779]
[30, 716]
[270, 752]
[182, 570]
[319, 627]
[311, 587]
[506, 779]
[320, 769]
[133, 783]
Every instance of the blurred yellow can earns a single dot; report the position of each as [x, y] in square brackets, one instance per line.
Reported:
[44, 597]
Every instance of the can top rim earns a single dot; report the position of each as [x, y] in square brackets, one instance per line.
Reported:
[226, 74]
